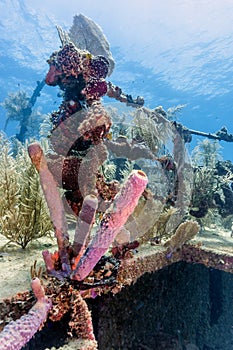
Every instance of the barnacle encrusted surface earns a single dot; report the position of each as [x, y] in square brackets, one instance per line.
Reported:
[78, 71]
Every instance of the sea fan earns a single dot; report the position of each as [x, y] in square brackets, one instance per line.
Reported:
[206, 153]
[23, 210]
[15, 104]
[151, 129]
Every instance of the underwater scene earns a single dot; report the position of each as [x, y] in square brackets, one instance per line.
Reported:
[116, 175]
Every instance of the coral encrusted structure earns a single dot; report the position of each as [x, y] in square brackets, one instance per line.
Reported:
[112, 222]
[81, 118]
[79, 139]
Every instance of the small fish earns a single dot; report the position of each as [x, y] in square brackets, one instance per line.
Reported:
[169, 255]
[88, 55]
[109, 136]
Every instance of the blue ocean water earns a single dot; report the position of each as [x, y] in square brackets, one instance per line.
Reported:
[204, 87]
[203, 112]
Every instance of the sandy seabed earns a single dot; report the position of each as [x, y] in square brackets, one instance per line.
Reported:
[15, 264]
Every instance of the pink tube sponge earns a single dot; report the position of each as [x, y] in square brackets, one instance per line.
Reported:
[52, 196]
[112, 222]
[17, 333]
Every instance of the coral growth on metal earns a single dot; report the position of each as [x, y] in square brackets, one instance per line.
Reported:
[80, 128]
[81, 76]
[75, 69]
[78, 263]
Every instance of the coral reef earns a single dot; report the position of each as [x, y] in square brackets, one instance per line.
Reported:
[112, 222]
[110, 225]
[81, 76]
[121, 146]
[107, 212]
[81, 124]
[151, 128]
[204, 186]
[206, 153]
